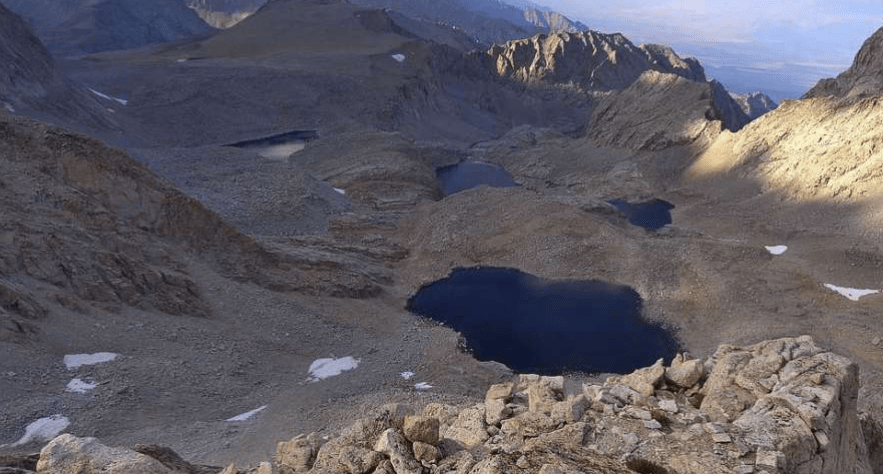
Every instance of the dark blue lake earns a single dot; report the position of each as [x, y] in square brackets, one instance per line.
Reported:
[534, 325]
[471, 174]
[651, 215]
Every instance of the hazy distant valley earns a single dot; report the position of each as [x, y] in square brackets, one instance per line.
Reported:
[218, 214]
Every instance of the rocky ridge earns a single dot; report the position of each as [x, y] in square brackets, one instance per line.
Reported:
[31, 83]
[89, 26]
[779, 406]
[754, 104]
[598, 62]
[863, 78]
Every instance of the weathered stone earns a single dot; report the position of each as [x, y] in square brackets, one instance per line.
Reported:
[570, 410]
[359, 460]
[541, 398]
[768, 459]
[460, 463]
[495, 402]
[721, 438]
[385, 467]
[684, 373]
[469, 430]
[644, 381]
[298, 453]
[394, 445]
[425, 452]
[230, 469]
[70, 454]
[653, 425]
[265, 468]
[669, 406]
[421, 428]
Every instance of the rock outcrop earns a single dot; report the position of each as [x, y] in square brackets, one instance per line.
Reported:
[754, 104]
[779, 406]
[863, 78]
[589, 60]
[662, 110]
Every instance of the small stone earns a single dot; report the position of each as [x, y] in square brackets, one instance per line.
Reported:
[421, 428]
[653, 425]
[767, 459]
[642, 414]
[522, 462]
[425, 452]
[822, 438]
[721, 438]
[744, 469]
[712, 428]
[669, 406]
[876, 341]
[265, 468]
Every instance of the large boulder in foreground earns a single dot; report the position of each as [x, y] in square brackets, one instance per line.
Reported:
[70, 454]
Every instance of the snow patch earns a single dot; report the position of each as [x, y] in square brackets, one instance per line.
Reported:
[9, 107]
[399, 57]
[247, 414]
[422, 386]
[850, 293]
[407, 375]
[43, 429]
[79, 386]
[107, 97]
[181, 60]
[341, 191]
[324, 368]
[777, 249]
[72, 361]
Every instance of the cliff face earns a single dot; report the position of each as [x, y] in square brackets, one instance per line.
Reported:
[632, 118]
[593, 61]
[863, 78]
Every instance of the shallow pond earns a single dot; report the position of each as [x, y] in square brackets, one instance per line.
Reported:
[470, 174]
[278, 147]
[534, 325]
[651, 215]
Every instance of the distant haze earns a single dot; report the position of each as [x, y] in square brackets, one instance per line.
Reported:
[780, 48]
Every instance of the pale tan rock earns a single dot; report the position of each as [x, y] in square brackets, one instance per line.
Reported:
[541, 398]
[70, 454]
[421, 428]
[644, 381]
[393, 444]
[684, 373]
[230, 469]
[425, 452]
[495, 401]
[570, 410]
[469, 430]
[298, 453]
[359, 460]
[265, 468]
